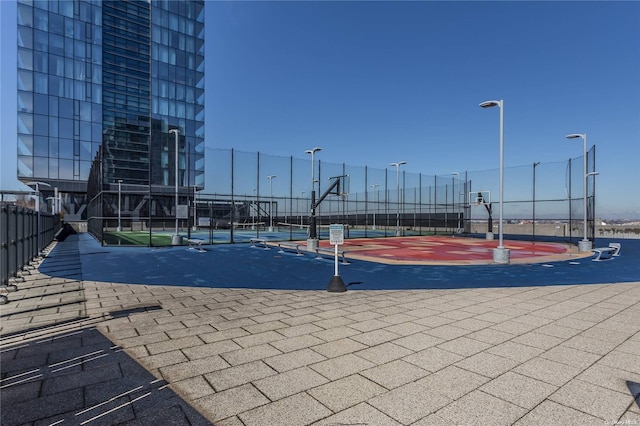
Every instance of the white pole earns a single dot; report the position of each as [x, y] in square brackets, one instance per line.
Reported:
[119, 204]
[585, 244]
[500, 254]
[176, 240]
[584, 187]
[270, 177]
[336, 261]
[397, 165]
[500, 239]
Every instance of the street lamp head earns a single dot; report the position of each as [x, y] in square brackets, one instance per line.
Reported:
[593, 173]
[489, 104]
[271, 176]
[398, 164]
[311, 151]
[575, 136]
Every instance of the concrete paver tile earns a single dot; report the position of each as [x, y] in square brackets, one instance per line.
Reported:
[418, 341]
[258, 339]
[487, 364]
[518, 389]
[346, 392]
[342, 366]
[361, 414]
[551, 413]
[409, 403]
[289, 383]
[383, 353]
[433, 321]
[230, 402]
[210, 349]
[332, 323]
[338, 332]
[622, 360]
[447, 332]
[173, 344]
[538, 340]
[292, 360]
[368, 325]
[217, 336]
[253, 353]
[607, 335]
[164, 359]
[300, 330]
[406, 329]
[193, 368]
[570, 356]
[630, 346]
[226, 378]
[395, 374]
[338, 347]
[453, 382]
[433, 359]
[512, 327]
[592, 399]
[479, 408]
[515, 351]
[375, 337]
[464, 346]
[609, 377]
[472, 324]
[588, 344]
[298, 409]
[548, 371]
[295, 343]
[193, 388]
[558, 331]
[491, 336]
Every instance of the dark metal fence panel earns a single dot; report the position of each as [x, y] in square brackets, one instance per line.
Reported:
[21, 238]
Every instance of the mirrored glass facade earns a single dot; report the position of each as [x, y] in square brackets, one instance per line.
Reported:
[115, 76]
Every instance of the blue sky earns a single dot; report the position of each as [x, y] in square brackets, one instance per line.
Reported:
[377, 82]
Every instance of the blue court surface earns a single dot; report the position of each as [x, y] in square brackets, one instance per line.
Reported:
[245, 266]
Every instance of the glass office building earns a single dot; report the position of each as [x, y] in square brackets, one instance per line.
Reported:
[110, 78]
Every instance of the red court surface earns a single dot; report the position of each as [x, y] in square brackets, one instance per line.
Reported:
[440, 250]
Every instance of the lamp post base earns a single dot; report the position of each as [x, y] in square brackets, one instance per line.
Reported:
[501, 256]
[176, 240]
[119, 229]
[584, 245]
[398, 233]
[336, 285]
[271, 229]
[312, 244]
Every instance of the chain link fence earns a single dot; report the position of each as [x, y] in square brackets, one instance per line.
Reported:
[252, 195]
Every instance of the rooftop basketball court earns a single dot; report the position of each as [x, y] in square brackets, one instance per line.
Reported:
[442, 250]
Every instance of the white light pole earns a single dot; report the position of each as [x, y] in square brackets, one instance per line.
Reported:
[270, 177]
[456, 198]
[500, 254]
[176, 240]
[585, 244]
[397, 166]
[312, 241]
[119, 229]
[253, 210]
[373, 188]
[299, 212]
[37, 184]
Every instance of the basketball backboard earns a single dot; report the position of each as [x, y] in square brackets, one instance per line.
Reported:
[478, 198]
